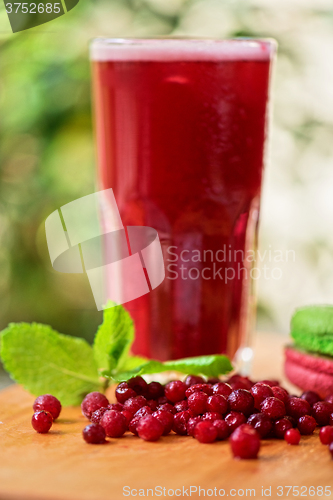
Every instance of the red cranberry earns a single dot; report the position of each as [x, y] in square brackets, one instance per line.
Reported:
[210, 416]
[280, 393]
[181, 405]
[192, 380]
[311, 397]
[329, 399]
[321, 411]
[167, 407]
[98, 414]
[245, 442]
[326, 434]
[134, 404]
[234, 419]
[205, 432]
[273, 408]
[206, 388]
[175, 391]
[139, 385]
[191, 424]
[239, 382]
[42, 421]
[330, 448]
[261, 423]
[217, 403]
[281, 426]
[114, 423]
[197, 402]
[241, 400]
[331, 419]
[48, 403]
[297, 407]
[150, 428]
[152, 404]
[166, 419]
[124, 392]
[306, 425]
[128, 415]
[260, 392]
[92, 402]
[94, 434]
[132, 426]
[271, 383]
[180, 422]
[115, 407]
[222, 389]
[292, 420]
[223, 429]
[155, 390]
[162, 401]
[292, 436]
[143, 411]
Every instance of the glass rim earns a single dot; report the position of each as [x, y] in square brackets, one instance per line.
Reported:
[181, 49]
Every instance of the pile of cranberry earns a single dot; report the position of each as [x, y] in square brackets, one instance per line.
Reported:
[211, 410]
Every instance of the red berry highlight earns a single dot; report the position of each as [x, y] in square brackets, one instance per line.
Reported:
[92, 402]
[205, 432]
[94, 434]
[175, 391]
[48, 403]
[245, 442]
[326, 434]
[150, 428]
[292, 436]
[42, 421]
[114, 423]
[306, 425]
[273, 408]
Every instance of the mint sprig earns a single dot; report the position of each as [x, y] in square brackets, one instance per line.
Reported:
[45, 361]
[113, 340]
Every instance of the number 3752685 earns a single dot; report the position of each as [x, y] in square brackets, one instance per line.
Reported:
[32, 8]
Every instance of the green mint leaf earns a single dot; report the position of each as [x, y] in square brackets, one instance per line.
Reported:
[149, 367]
[129, 369]
[133, 362]
[210, 366]
[113, 340]
[45, 361]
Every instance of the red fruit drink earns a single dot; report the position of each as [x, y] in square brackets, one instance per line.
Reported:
[181, 128]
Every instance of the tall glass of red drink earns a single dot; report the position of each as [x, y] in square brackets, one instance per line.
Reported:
[181, 128]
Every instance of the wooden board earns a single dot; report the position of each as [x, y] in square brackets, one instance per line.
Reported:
[61, 466]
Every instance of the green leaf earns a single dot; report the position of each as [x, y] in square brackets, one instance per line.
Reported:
[210, 366]
[113, 339]
[129, 369]
[45, 361]
[149, 367]
[133, 362]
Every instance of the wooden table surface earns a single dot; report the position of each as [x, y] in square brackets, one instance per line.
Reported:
[61, 466]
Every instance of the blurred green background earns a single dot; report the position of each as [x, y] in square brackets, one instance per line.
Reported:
[47, 149]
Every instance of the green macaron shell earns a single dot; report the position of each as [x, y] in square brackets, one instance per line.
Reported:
[313, 343]
[312, 329]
